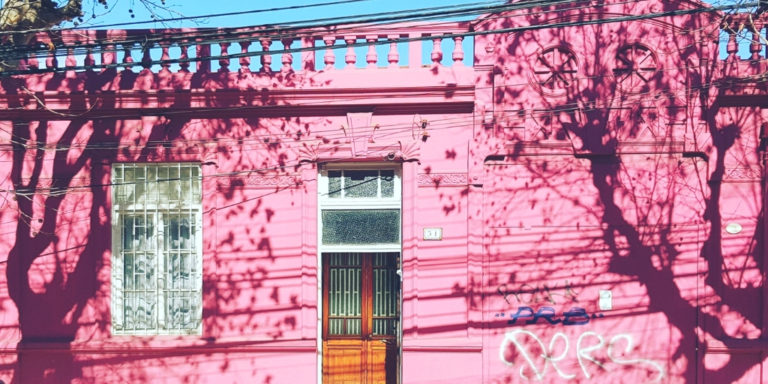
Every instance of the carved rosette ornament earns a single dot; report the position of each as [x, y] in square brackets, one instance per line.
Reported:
[554, 70]
[635, 68]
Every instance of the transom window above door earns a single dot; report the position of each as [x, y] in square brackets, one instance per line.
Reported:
[360, 207]
[344, 184]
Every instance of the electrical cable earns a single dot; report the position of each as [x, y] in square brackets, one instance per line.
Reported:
[323, 23]
[208, 16]
[231, 34]
[398, 40]
[225, 57]
[632, 98]
[64, 190]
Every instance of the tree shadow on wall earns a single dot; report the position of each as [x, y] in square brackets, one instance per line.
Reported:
[58, 271]
[631, 101]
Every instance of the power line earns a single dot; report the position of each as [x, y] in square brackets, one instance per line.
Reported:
[287, 146]
[79, 47]
[687, 31]
[417, 13]
[208, 16]
[397, 40]
[541, 110]
[688, 89]
[284, 31]
[173, 19]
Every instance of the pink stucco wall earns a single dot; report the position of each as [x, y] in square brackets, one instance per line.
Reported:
[548, 200]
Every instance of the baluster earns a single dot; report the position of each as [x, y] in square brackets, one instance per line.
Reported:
[108, 54]
[127, 58]
[287, 58]
[763, 36]
[266, 58]
[755, 47]
[89, 61]
[164, 57]
[350, 58]
[32, 62]
[372, 57]
[70, 61]
[733, 47]
[437, 52]
[224, 60]
[52, 61]
[245, 61]
[146, 59]
[23, 64]
[393, 57]
[203, 58]
[183, 57]
[458, 51]
[329, 58]
[308, 54]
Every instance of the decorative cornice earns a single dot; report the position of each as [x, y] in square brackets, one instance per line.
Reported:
[443, 179]
[228, 103]
[259, 181]
[401, 150]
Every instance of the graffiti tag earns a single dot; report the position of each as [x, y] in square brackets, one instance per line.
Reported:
[530, 294]
[523, 343]
[573, 316]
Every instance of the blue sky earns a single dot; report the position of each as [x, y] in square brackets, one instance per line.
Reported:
[119, 11]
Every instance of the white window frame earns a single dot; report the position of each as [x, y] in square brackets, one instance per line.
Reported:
[157, 212]
[325, 202]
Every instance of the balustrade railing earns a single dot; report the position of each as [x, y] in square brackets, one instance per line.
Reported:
[269, 50]
[739, 27]
[743, 41]
[248, 50]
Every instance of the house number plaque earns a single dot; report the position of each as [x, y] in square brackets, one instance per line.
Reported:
[433, 233]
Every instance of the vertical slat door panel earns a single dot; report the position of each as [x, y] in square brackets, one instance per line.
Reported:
[361, 293]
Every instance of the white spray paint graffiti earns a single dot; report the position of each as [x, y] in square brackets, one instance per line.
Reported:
[584, 354]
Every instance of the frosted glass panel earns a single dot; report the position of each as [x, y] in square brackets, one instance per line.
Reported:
[387, 183]
[361, 183]
[379, 226]
[334, 183]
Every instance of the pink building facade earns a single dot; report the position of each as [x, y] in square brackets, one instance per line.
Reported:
[558, 194]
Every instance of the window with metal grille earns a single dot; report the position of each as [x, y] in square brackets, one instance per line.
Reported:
[156, 249]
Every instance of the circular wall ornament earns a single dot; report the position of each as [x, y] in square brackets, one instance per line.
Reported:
[635, 67]
[554, 69]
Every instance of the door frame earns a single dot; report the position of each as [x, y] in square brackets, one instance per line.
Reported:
[324, 202]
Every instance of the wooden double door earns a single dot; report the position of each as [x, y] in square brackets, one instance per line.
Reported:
[361, 315]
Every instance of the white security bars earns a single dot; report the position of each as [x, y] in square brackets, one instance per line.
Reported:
[156, 249]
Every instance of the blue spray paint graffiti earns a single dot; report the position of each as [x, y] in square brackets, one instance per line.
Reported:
[574, 316]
